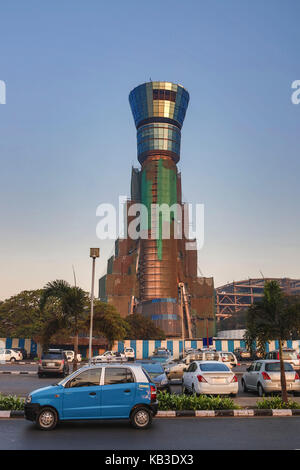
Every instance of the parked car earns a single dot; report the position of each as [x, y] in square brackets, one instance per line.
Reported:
[156, 373]
[164, 359]
[242, 354]
[111, 391]
[10, 355]
[228, 358]
[70, 356]
[53, 362]
[209, 378]
[22, 351]
[186, 351]
[288, 354]
[175, 370]
[129, 353]
[161, 351]
[263, 377]
[109, 356]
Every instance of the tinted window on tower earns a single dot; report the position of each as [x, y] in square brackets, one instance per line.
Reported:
[164, 95]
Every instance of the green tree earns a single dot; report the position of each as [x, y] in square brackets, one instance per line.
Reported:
[141, 327]
[70, 315]
[21, 317]
[275, 317]
[108, 322]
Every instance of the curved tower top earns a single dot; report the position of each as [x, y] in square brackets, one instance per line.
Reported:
[158, 110]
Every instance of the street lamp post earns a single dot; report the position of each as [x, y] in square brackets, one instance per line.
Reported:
[94, 253]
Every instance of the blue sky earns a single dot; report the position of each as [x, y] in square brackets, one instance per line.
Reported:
[67, 137]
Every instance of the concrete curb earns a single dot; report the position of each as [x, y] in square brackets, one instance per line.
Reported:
[17, 372]
[246, 413]
[195, 414]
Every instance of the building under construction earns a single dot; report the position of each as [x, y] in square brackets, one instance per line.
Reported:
[239, 295]
[156, 276]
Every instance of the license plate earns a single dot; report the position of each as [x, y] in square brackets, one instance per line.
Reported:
[219, 381]
[50, 364]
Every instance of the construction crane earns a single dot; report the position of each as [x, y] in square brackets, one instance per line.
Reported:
[184, 303]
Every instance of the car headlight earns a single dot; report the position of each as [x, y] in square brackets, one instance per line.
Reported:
[28, 399]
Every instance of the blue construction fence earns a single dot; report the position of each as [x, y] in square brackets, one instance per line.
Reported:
[145, 348]
[25, 343]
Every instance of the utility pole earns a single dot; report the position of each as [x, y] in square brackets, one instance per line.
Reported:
[94, 253]
[207, 333]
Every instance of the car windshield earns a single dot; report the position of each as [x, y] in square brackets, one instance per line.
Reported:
[50, 355]
[217, 367]
[275, 367]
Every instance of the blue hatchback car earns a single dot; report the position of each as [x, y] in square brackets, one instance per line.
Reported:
[106, 391]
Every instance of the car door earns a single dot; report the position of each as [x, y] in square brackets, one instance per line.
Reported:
[188, 376]
[193, 374]
[256, 374]
[82, 395]
[118, 392]
[8, 355]
[2, 354]
[249, 376]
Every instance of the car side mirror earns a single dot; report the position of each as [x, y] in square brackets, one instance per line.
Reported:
[184, 369]
[248, 369]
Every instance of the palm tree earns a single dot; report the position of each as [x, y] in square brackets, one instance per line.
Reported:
[109, 323]
[275, 317]
[71, 302]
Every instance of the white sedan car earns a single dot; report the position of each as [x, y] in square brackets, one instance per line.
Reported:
[10, 355]
[110, 356]
[210, 378]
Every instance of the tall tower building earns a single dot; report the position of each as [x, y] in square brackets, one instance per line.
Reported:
[155, 275]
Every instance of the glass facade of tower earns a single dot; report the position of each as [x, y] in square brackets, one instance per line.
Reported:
[159, 110]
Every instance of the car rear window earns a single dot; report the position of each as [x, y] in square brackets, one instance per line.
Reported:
[150, 368]
[116, 375]
[289, 355]
[275, 367]
[217, 367]
[52, 356]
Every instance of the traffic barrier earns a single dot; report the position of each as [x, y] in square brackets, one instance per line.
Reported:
[244, 413]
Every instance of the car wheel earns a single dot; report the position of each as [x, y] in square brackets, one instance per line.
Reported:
[193, 389]
[245, 389]
[141, 418]
[260, 390]
[40, 376]
[12, 359]
[47, 419]
[233, 395]
[185, 390]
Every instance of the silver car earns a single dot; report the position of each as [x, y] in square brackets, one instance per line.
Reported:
[263, 377]
[288, 355]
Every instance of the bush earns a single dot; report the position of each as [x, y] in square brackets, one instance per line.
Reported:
[168, 401]
[276, 403]
[11, 402]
